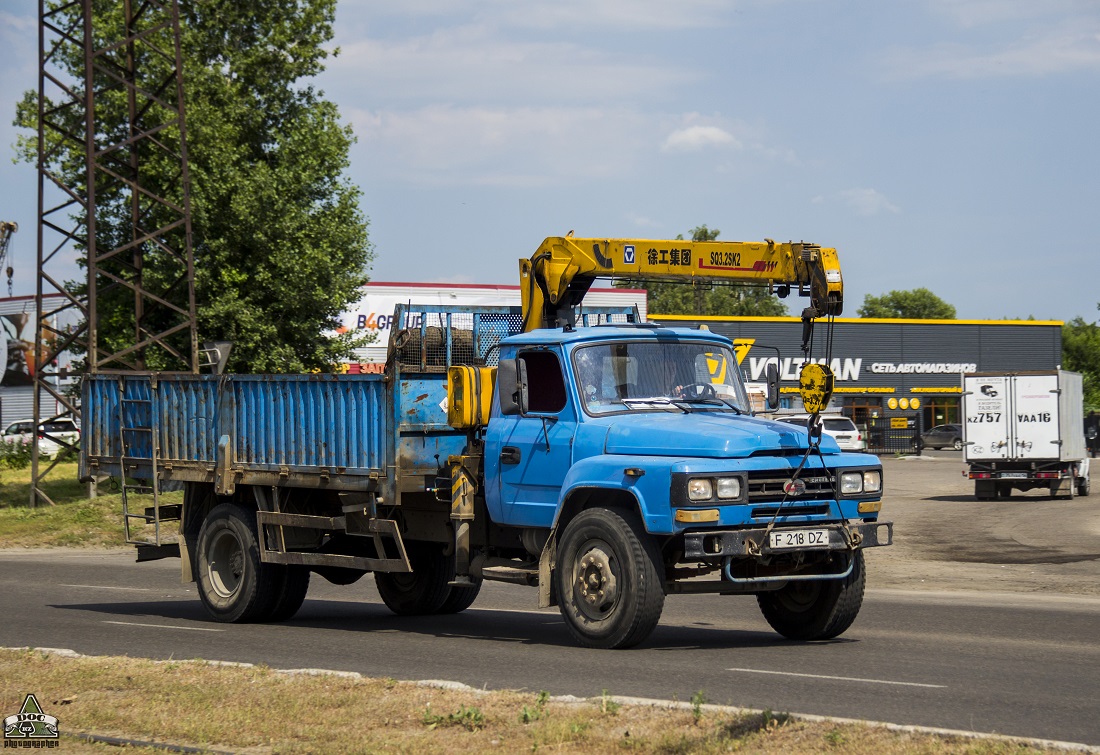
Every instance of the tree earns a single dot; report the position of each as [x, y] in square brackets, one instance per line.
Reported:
[1081, 353]
[281, 247]
[917, 304]
[704, 299]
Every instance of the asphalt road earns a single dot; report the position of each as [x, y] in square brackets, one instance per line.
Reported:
[1017, 664]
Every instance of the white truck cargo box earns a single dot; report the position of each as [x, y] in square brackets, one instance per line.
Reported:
[1023, 416]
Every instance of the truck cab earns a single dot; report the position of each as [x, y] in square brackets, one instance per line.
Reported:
[653, 427]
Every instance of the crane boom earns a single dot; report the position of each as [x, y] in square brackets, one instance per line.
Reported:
[557, 276]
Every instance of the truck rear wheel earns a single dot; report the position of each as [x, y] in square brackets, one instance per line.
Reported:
[460, 598]
[1083, 486]
[234, 585]
[425, 589]
[293, 593]
[608, 579]
[816, 610]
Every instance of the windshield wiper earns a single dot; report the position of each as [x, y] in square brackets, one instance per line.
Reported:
[656, 401]
[715, 400]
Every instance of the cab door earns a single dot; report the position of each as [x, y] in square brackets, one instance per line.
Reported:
[527, 456]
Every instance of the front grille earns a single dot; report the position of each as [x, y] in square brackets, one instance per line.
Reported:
[767, 487]
[786, 510]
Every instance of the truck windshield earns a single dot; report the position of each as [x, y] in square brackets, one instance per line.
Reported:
[670, 376]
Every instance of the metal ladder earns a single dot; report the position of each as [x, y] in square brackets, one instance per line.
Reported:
[127, 434]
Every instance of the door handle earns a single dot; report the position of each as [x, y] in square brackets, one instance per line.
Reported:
[509, 455]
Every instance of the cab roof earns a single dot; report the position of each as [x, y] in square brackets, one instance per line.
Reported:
[642, 332]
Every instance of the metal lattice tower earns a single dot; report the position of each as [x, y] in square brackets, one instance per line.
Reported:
[125, 210]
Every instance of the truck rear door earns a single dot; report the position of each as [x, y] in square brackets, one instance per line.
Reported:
[986, 415]
[1035, 415]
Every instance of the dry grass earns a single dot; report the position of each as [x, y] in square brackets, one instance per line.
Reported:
[257, 710]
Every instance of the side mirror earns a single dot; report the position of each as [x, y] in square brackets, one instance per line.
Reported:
[773, 386]
[512, 386]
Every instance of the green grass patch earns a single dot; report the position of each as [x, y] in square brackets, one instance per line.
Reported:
[75, 520]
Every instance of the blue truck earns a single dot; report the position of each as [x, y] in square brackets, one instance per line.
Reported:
[604, 461]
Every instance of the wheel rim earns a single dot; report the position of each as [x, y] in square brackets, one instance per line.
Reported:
[225, 563]
[799, 597]
[596, 580]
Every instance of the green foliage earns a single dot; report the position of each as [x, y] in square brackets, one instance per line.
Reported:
[280, 244]
[15, 454]
[706, 300]
[917, 304]
[608, 706]
[468, 717]
[530, 714]
[1081, 353]
[697, 702]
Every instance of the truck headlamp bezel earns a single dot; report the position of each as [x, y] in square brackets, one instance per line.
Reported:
[859, 483]
[721, 488]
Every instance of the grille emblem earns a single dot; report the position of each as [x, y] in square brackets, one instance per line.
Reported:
[794, 487]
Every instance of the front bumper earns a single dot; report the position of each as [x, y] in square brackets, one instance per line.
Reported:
[753, 542]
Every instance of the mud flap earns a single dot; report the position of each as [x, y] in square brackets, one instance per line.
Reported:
[546, 574]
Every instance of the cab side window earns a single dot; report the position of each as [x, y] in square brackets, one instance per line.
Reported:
[545, 382]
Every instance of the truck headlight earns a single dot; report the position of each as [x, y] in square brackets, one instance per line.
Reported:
[729, 487]
[851, 483]
[700, 489]
[872, 481]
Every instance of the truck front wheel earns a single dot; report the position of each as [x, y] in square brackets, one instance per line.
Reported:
[234, 585]
[815, 610]
[608, 579]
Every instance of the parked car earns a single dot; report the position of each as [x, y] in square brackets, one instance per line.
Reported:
[941, 436]
[841, 428]
[65, 430]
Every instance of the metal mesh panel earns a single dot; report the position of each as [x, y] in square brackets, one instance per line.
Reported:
[432, 341]
[433, 338]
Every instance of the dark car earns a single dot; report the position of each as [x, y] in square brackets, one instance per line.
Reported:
[941, 436]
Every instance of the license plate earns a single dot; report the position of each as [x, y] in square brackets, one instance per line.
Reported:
[784, 539]
[1014, 475]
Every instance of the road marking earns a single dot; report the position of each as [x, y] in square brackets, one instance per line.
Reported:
[838, 678]
[162, 626]
[111, 587]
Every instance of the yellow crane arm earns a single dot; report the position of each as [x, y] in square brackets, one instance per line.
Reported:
[554, 280]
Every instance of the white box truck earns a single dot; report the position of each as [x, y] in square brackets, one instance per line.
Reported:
[1025, 431]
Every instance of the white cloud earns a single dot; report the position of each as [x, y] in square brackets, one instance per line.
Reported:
[867, 202]
[642, 221]
[559, 14]
[976, 13]
[475, 63]
[695, 138]
[1054, 53]
[517, 147]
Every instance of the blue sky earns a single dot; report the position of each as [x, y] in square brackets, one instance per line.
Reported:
[945, 144]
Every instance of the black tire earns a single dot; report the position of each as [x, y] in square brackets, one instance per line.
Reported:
[425, 590]
[292, 595]
[816, 610]
[609, 579]
[1083, 487]
[957, 444]
[233, 584]
[460, 598]
[1004, 491]
[983, 490]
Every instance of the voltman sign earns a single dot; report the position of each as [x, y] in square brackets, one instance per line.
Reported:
[877, 356]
